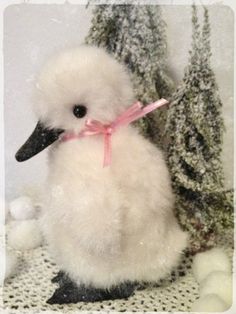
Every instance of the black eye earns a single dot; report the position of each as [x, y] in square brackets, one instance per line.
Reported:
[79, 111]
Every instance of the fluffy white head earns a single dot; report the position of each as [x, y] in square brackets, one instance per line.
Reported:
[85, 76]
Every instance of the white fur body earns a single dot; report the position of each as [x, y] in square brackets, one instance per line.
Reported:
[106, 225]
[109, 225]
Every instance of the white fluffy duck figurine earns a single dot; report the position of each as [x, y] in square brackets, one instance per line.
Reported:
[109, 228]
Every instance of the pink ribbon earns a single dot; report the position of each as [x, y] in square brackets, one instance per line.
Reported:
[94, 127]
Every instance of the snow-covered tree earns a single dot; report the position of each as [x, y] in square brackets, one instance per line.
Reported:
[135, 35]
[195, 130]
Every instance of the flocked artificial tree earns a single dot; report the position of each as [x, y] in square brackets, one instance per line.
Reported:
[195, 130]
[136, 35]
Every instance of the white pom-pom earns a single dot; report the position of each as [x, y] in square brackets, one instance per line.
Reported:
[25, 235]
[207, 262]
[22, 208]
[209, 303]
[219, 283]
[11, 264]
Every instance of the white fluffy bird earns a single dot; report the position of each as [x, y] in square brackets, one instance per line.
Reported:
[107, 228]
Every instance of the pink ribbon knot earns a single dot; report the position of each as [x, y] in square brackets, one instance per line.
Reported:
[94, 127]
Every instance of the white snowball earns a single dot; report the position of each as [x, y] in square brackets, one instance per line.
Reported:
[219, 283]
[209, 261]
[209, 303]
[22, 208]
[11, 264]
[25, 235]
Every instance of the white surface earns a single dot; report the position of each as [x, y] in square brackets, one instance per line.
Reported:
[25, 235]
[33, 32]
[210, 261]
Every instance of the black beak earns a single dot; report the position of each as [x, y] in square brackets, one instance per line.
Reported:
[41, 138]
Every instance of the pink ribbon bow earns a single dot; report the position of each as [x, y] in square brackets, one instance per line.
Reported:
[94, 127]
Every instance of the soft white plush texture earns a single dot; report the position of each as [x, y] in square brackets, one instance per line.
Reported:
[210, 261]
[103, 225]
[22, 208]
[11, 263]
[210, 303]
[219, 283]
[85, 75]
[25, 235]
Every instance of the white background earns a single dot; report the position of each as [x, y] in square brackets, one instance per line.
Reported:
[34, 32]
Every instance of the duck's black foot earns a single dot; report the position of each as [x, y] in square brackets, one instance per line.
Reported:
[66, 293]
[123, 291]
[70, 293]
[61, 278]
